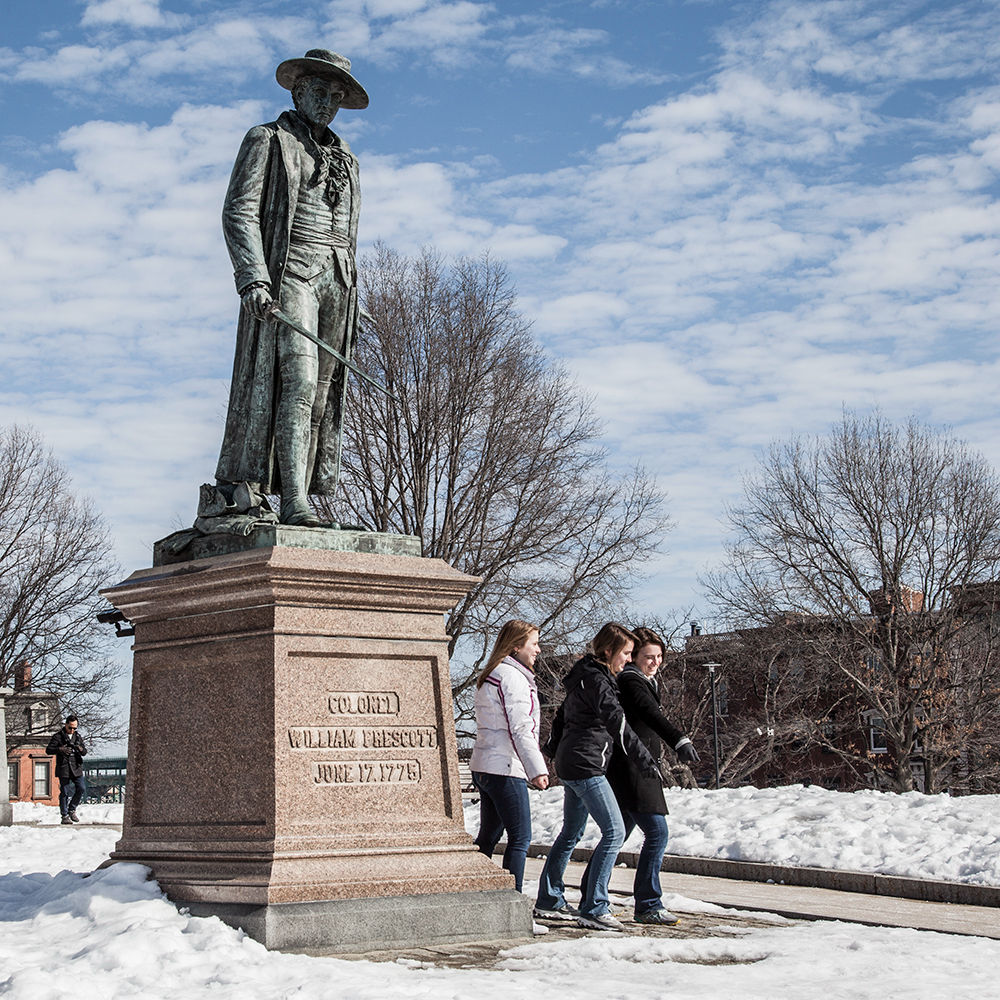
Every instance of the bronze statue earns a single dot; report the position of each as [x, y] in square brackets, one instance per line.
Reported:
[291, 221]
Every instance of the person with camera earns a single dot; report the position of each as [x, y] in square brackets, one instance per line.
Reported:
[68, 748]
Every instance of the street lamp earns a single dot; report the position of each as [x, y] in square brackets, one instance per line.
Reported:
[715, 718]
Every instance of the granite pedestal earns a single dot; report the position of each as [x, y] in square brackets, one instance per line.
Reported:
[292, 760]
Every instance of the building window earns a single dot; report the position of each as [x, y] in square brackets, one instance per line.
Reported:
[876, 735]
[42, 787]
[39, 718]
[13, 779]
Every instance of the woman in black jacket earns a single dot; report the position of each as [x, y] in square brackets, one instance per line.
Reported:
[589, 724]
[640, 796]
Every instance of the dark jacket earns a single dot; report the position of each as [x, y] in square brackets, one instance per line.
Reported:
[590, 723]
[640, 700]
[69, 752]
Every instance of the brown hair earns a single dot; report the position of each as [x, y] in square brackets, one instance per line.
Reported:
[610, 640]
[647, 637]
[513, 635]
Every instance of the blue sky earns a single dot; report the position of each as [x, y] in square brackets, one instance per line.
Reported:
[728, 220]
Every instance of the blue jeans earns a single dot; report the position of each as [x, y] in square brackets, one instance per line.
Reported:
[646, 888]
[647, 891]
[71, 791]
[593, 797]
[503, 805]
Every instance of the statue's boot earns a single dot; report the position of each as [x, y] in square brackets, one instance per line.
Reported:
[295, 515]
[292, 446]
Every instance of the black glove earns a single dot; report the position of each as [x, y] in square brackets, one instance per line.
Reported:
[687, 754]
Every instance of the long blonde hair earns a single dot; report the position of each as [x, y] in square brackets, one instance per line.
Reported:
[512, 636]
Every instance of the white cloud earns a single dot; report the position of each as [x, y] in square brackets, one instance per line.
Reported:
[863, 42]
[134, 13]
[445, 32]
[743, 257]
[119, 296]
[120, 309]
[72, 64]
[545, 45]
[223, 51]
[550, 47]
[226, 46]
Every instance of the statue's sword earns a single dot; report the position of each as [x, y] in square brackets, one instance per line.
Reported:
[282, 317]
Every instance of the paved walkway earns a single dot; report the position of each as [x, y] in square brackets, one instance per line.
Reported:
[744, 906]
[811, 904]
[485, 955]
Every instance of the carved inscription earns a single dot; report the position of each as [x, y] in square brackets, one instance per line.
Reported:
[363, 772]
[345, 735]
[362, 737]
[363, 702]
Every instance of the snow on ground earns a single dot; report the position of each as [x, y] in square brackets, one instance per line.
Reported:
[31, 812]
[112, 935]
[48, 847]
[921, 836]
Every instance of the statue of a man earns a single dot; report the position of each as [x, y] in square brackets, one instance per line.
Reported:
[291, 222]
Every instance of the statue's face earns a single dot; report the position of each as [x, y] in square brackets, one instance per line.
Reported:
[318, 99]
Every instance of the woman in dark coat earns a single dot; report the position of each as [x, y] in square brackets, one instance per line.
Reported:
[639, 795]
[590, 724]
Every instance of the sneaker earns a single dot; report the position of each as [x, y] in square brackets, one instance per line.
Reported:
[663, 917]
[566, 912]
[73, 818]
[66, 821]
[602, 922]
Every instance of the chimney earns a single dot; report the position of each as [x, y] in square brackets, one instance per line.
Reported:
[882, 601]
[22, 676]
[696, 628]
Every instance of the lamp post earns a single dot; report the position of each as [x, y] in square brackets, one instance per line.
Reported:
[715, 719]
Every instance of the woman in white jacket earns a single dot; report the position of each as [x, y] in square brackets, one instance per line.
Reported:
[506, 754]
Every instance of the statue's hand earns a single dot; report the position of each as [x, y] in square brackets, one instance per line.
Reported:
[257, 300]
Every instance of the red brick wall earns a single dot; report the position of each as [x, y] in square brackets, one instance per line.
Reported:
[26, 758]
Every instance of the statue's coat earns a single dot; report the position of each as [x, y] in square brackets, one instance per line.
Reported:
[256, 222]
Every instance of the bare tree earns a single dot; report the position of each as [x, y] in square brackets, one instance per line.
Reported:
[491, 457]
[54, 556]
[876, 530]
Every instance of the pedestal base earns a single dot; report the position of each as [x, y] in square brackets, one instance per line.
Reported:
[6, 814]
[292, 760]
[352, 926]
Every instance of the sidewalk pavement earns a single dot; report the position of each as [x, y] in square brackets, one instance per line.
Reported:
[808, 903]
[866, 883]
[745, 906]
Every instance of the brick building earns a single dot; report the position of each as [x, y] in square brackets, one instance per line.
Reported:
[797, 696]
[32, 717]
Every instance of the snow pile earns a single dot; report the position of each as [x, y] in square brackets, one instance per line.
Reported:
[112, 935]
[915, 835]
[51, 850]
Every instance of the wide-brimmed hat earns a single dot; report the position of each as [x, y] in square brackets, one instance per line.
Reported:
[323, 62]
